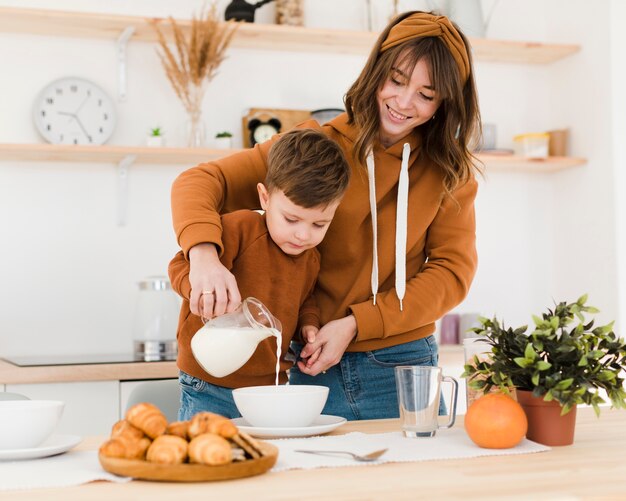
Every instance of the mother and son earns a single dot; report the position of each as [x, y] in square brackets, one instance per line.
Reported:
[367, 236]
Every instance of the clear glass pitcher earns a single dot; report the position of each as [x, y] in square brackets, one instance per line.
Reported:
[227, 342]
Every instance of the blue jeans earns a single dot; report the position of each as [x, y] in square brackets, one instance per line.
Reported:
[363, 385]
[197, 395]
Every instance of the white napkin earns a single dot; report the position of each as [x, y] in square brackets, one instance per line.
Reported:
[63, 470]
[447, 444]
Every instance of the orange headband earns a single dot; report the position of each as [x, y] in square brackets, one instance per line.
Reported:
[421, 24]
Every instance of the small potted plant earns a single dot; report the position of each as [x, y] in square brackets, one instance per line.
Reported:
[155, 137]
[563, 362]
[223, 140]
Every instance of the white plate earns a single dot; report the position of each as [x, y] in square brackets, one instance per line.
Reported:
[56, 444]
[321, 425]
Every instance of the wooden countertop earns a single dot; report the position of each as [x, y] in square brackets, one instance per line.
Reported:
[593, 467]
[14, 374]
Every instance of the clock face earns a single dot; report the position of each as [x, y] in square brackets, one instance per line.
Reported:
[74, 111]
[263, 132]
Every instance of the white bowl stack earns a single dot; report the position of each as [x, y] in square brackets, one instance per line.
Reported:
[28, 423]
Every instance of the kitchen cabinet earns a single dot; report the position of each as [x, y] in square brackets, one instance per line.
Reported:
[249, 36]
[91, 407]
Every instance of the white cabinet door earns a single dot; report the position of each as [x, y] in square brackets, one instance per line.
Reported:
[91, 408]
[168, 404]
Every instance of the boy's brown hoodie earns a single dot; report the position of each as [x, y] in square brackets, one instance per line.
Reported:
[440, 243]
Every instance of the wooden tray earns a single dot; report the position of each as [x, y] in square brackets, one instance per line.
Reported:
[145, 470]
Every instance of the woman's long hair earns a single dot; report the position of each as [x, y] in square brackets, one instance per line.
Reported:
[448, 137]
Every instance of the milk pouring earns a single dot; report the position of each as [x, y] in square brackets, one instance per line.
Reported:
[227, 342]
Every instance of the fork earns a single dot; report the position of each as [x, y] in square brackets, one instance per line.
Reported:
[372, 456]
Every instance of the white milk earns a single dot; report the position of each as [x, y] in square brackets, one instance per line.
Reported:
[220, 351]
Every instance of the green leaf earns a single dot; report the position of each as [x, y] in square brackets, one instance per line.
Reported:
[563, 385]
[582, 299]
[542, 366]
[529, 352]
[522, 362]
[535, 379]
[583, 361]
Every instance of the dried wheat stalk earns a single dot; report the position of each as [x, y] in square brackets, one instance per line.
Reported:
[195, 60]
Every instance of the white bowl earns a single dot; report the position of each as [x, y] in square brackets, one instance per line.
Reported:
[25, 424]
[282, 406]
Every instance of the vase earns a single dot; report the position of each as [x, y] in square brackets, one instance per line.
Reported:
[289, 12]
[545, 423]
[194, 129]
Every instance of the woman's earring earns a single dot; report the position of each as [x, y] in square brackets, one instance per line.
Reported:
[433, 117]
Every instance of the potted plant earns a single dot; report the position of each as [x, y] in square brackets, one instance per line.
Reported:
[223, 140]
[155, 137]
[563, 362]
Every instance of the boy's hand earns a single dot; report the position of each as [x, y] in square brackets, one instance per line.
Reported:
[309, 333]
[214, 288]
[331, 342]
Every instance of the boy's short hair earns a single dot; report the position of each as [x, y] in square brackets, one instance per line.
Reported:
[308, 167]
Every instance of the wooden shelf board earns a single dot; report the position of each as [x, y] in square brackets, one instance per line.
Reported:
[512, 163]
[113, 154]
[192, 156]
[255, 36]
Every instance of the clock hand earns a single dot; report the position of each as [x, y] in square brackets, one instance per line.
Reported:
[83, 128]
[65, 113]
[82, 104]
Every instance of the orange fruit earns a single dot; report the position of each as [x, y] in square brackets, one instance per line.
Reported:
[496, 421]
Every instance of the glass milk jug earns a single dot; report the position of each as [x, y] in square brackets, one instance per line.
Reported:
[227, 342]
[156, 320]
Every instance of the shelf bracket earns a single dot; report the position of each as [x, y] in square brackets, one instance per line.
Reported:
[122, 42]
[122, 188]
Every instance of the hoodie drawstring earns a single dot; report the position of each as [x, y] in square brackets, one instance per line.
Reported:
[372, 186]
[401, 223]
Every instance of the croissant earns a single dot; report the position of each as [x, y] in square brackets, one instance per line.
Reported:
[210, 449]
[167, 449]
[207, 422]
[123, 427]
[178, 428]
[125, 447]
[148, 418]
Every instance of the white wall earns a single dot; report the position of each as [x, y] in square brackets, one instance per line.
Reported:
[618, 123]
[69, 271]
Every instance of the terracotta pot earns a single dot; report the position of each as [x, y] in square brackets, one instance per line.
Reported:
[545, 423]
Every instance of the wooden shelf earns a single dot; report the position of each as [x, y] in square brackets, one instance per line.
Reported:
[192, 156]
[257, 36]
[112, 154]
[512, 163]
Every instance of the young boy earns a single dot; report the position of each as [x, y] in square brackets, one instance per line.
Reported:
[273, 259]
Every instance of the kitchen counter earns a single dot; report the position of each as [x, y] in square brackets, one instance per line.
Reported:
[593, 467]
[14, 374]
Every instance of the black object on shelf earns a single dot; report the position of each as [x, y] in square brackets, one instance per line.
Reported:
[240, 10]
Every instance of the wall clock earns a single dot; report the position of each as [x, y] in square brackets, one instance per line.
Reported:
[74, 110]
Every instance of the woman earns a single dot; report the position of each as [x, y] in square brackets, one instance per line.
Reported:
[400, 252]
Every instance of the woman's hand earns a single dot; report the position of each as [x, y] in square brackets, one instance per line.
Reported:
[328, 346]
[214, 289]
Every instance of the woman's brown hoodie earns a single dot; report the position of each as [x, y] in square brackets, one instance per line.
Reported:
[440, 247]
